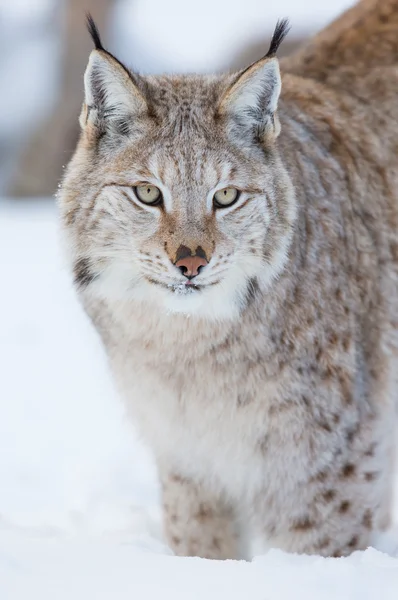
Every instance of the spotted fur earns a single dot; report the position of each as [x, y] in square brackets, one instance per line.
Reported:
[267, 390]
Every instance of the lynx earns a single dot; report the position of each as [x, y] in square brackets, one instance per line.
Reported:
[234, 240]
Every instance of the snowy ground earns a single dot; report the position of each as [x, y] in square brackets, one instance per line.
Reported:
[79, 515]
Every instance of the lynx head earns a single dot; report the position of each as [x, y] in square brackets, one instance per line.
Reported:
[176, 196]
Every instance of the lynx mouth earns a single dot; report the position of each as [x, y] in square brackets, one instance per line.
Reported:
[181, 288]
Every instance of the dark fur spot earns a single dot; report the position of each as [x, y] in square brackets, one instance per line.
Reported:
[353, 541]
[351, 433]
[348, 470]
[203, 512]
[83, 275]
[178, 479]
[370, 452]
[325, 426]
[278, 408]
[216, 543]
[333, 339]
[328, 372]
[321, 476]
[224, 345]
[344, 507]
[296, 331]
[291, 346]
[176, 540]
[367, 519]
[371, 476]
[329, 495]
[324, 543]
[303, 524]
[346, 343]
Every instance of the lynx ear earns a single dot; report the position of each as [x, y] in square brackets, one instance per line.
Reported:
[112, 99]
[252, 99]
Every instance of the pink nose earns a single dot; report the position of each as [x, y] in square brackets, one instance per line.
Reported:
[190, 265]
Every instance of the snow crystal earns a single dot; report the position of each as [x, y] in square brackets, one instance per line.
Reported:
[182, 289]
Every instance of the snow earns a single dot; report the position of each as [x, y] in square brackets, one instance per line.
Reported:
[64, 443]
[79, 500]
[109, 571]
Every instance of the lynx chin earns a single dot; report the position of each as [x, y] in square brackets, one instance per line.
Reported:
[234, 240]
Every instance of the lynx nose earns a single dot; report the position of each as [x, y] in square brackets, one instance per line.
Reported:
[190, 263]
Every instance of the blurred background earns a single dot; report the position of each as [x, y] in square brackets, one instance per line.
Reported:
[44, 49]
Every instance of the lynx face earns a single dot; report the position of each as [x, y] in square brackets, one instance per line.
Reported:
[176, 195]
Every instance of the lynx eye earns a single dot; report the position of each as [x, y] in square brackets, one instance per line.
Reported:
[225, 197]
[148, 194]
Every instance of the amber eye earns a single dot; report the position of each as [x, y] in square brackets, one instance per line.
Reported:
[149, 194]
[225, 197]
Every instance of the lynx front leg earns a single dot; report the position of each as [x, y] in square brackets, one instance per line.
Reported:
[197, 523]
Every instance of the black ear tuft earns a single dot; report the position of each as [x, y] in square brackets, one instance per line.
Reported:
[93, 31]
[281, 30]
